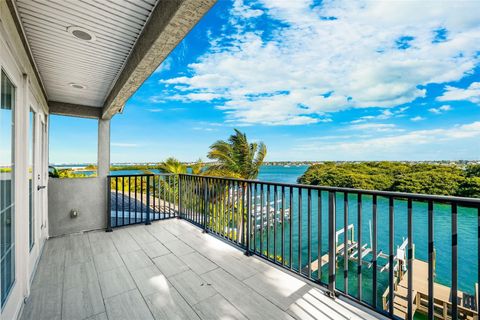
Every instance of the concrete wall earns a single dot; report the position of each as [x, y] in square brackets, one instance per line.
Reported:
[85, 195]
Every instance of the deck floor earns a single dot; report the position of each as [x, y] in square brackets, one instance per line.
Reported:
[168, 270]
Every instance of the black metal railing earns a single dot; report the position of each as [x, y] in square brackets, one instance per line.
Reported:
[379, 248]
[141, 198]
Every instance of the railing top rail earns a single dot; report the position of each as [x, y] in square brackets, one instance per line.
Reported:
[129, 175]
[414, 196]
[140, 175]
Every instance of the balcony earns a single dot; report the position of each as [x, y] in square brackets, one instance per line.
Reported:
[186, 246]
[169, 270]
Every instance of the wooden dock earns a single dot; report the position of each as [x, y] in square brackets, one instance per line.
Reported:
[324, 259]
[442, 300]
[467, 304]
[352, 250]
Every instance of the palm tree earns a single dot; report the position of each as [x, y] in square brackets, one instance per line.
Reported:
[175, 167]
[197, 167]
[168, 186]
[172, 165]
[236, 157]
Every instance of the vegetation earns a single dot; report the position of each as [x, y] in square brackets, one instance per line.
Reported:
[65, 173]
[236, 157]
[395, 176]
[198, 167]
[72, 174]
[172, 165]
[91, 167]
[133, 167]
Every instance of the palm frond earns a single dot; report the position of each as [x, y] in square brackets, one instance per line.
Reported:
[236, 157]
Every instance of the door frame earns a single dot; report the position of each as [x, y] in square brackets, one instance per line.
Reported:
[39, 195]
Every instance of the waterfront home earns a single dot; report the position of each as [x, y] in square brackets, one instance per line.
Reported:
[157, 246]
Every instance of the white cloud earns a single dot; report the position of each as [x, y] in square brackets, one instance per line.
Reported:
[378, 127]
[440, 109]
[417, 118]
[157, 99]
[210, 124]
[472, 93]
[419, 144]
[156, 110]
[245, 11]
[165, 65]
[322, 60]
[204, 129]
[385, 114]
[197, 96]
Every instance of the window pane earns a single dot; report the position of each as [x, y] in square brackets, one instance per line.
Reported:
[7, 205]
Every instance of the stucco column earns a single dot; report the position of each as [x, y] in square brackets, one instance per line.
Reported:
[103, 153]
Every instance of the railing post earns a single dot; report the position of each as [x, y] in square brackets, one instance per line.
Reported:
[454, 291]
[331, 244]
[431, 258]
[147, 220]
[205, 205]
[109, 204]
[179, 186]
[410, 260]
[391, 255]
[249, 221]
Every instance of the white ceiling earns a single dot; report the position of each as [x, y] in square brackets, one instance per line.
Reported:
[63, 59]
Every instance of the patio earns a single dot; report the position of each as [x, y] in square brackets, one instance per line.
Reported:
[169, 270]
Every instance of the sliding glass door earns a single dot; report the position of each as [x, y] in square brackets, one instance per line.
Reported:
[7, 205]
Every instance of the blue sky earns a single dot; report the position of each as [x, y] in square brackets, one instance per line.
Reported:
[314, 80]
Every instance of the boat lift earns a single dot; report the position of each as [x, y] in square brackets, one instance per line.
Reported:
[353, 252]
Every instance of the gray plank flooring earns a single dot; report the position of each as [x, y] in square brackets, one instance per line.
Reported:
[168, 270]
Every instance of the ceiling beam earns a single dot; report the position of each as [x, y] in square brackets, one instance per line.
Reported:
[74, 110]
[168, 24]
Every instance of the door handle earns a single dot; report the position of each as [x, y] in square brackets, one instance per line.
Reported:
[41, 187]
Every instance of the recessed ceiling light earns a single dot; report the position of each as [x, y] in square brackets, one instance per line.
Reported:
[77, 85]
[81, 33]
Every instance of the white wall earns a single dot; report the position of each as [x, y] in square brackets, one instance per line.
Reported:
[14, 61]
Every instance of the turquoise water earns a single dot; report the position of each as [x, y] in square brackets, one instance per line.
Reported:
[281, 173]
[467, 233]
[267, 173]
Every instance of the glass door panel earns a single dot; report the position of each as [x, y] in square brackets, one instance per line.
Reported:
[7, 205]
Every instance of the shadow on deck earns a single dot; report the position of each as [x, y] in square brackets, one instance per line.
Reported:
[169, 270]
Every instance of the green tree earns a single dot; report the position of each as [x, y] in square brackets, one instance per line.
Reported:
[359, 176]
[236, 157]
[470, 187]
[197, 167]
[441, 182]
[473, 170]
[69, 173]
[397, 176]
[172, 165]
